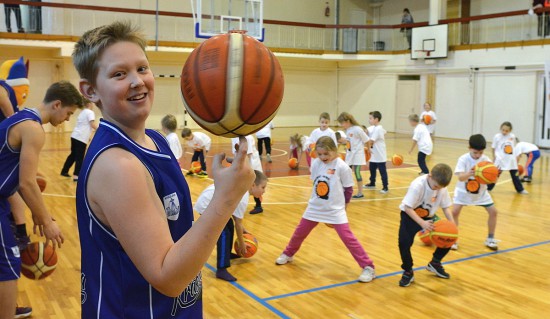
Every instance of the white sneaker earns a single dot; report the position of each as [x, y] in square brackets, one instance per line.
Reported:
[454, 246]
[367, 275]
[384, 191]
[523, 192]
[283, 259]
[492, 243]
[269, 158]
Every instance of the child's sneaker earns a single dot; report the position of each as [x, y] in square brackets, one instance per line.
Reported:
[23, 312]
[367, 275]
[523, 192]
[492, 243]
[269, 158]
[283, 259]
[202, 174]
[438, 270]
[454, 246]
[384, 191]
[256, 210]
[358, 196]
[189, 173]
[370, 186]
[406, 279]
[526, 179]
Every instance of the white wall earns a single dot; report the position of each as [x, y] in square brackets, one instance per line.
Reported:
[454, 106]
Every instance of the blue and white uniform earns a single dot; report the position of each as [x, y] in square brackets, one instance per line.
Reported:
[10, 262]
[111, 285]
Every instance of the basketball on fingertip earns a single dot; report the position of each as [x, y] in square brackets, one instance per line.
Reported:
[38, 260]
[196, 167]
[521, 170]
[293, 163]
[427, 119]
[397, 160]
[444, 234]
[424, 237]
[251, 244]
[486, 172]
[41, 181]
[232, 85]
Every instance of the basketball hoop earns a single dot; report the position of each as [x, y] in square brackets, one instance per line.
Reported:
[422, 54]
[237, 31]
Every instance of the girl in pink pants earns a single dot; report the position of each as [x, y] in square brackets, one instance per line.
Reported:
[332, 190]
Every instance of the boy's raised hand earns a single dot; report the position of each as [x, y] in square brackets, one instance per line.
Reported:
[235, 180]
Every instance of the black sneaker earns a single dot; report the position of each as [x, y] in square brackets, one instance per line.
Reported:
[202, 174]
[526, 179]
[406, 279]
[189, 173]
[370, 186]
[438, 270]
[65, 174]
[23, 312]
[256, 210]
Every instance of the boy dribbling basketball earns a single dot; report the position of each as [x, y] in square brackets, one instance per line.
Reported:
[469, 191]
[425, 195]
[140, 255]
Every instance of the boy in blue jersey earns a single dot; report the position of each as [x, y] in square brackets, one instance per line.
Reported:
[140, 256]
[21, 139]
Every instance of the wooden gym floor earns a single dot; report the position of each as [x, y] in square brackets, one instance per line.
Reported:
[321, 282]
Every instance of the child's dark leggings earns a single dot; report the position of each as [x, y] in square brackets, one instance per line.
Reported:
[515, 179]
[383, 173]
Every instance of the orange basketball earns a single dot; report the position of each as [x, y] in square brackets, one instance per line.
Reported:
[427, 119]
[425, 237]
[196, 167]
[41, 181]
[486, 172]
[397, 160]
[293, 163]
[445, 234]
[521, 170]
[251, 245]
[342, 156]
[312, 152]
[367, 154]
[232, 85]
[38, 261]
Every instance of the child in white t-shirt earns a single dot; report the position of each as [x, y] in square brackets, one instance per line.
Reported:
[469, 192]
[264, 137]
[425, 195]
[355, 148]
[532, 152]
[323, 130]
[433, 117]
[503, 155]
[332, 190]
[200, 143]
[169, 126]
[255, 163]
[377, 147]
[225, 242]
[342, 140]
[422, 139]
[298, 146]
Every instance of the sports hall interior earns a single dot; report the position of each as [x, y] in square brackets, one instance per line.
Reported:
[494, 71]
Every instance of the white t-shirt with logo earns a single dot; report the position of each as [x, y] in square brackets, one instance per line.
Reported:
[252, 152]
[423, 139]
[431, 127]
[504, 151]
[420, 194]
[317, 134]
[83, 129]
[175, 145]
[464, 197]
[200, 141]
[524, 148]
[378, 149]
[327, 203]
[265, 131]
[355, 148]
[206, 196]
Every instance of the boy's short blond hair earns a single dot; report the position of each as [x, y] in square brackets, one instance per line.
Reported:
[260, 178]
[442, 174]
[186, 132]
[169, 122]
[87, 51]
[324, 116]
[414, 118]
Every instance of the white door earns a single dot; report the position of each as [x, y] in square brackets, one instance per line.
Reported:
[407, 101]
[359, 17]
[542, 133]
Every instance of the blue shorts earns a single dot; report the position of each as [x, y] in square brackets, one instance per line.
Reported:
[10, 260]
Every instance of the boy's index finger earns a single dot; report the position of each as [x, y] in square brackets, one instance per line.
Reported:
[241, 148]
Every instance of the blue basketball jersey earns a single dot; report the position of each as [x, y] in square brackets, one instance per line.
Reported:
[9, 158]
[12, 97]
[111, 285]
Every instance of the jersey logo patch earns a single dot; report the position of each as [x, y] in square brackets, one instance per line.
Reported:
[172, 206]
[15, 250]
[189, 296]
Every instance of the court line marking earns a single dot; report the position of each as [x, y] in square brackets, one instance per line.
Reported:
[252, 295]
[305, 291]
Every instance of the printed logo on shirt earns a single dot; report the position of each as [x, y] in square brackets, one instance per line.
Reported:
[508, 149]
[172, 206]
[189, 296]
[83, 293]
[15, 250]
[422, 212]
[321, 187]
[473, 186]
[331, 171]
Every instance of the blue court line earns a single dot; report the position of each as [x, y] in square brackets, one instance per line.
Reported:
[301, 292]
[261, 301]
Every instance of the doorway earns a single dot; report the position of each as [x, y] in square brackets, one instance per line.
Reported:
[407, 101]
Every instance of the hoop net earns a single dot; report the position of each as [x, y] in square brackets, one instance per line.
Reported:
[237, 31]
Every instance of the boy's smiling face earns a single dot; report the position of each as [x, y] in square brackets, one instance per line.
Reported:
[124, 84]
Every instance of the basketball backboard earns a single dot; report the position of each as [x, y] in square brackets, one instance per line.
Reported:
[430, 42]
[213, 17]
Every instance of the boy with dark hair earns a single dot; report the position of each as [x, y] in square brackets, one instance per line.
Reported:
[200, 143]
[425, 195]
[377, 146]
[422, 139]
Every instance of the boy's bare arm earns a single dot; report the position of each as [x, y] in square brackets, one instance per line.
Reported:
[136, 215]
[239, 230]
[464, 176]
[448, 214]
[412, 146]
[5, 104]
